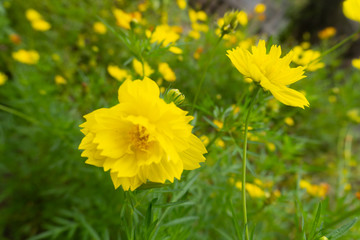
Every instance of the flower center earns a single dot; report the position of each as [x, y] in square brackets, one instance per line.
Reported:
[139, 137]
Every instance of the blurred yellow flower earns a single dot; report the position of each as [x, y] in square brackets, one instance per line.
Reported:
[32, 15]
[271, 71]
[351, 9]
[242, 18]
[165, 35]
[59, 80]
[289, 121]
[253, 190]
[167, 72]
[197, 25]
[205, 140]
[354, 115]
[142, 138]
[175, 50]
[327, 33]
[27, 57]
[138, 67]
[181, 4]
[310, 59]
[40, 25]
[3, 78]
[117, 73]
[220, 143]
[315, 190]
[356, 63]
[124, 19]
[99, 28]
[260, 8]
[218, 124]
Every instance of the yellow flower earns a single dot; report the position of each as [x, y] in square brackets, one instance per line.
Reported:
[289, 121]
[310, 59]
[327, 33]
[124, 19]
[354, 115]
[181, 4]
[260, 8]
[138, 67]
[175, 50]
[351, 9]
[32, 15]
[27, 57]
[218, 124]
[165, 35]
[3, 78]
[242, 18]
[205, 139]
[315, 190]
[271, 71]
[356, 63]
[142, 138]
[99, 28]
[167, 72]
[220, 143]
[59, 80]
[40, 25]
[117, 73]
[253, 190]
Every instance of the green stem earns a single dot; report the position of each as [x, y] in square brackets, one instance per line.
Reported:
[18, 114]
[244, 163]
[204, 74]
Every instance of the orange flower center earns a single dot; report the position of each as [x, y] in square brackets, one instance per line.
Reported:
[139, 137]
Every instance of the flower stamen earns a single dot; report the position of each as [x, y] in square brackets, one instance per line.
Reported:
[139, 137]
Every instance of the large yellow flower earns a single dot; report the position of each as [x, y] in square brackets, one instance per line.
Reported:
[142, 138]
[271, 71]
[351, 9]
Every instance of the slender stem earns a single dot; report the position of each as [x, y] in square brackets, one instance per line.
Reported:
[204, 74]
[17, 113]
[244, 163]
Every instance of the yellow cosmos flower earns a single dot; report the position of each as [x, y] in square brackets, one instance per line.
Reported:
[40, 25]
[320, 190]
[167, 72]
[310, 59]
[138, 67]
[142, 138]
[253, 190]
[271, 71]
[242, 18]
[124, 19]
[181, 4]
[27, 57]
[327, 33]
[356, 63]
[165, 35]
[32, 15]
[3, 78]
[59, 80]
[260, 8]
[351, 9]
[99, 28]
[117, 73]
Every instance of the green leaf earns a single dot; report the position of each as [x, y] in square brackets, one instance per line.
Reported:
[181, 220]
[315, 222]
[341, 230]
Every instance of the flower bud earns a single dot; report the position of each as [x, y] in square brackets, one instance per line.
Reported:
[175, 96]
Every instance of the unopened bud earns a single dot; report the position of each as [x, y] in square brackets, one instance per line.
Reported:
[175, 96]
[230, 22]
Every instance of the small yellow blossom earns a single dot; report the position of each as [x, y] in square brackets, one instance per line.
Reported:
[142, 138]
[218, 124]
[253, 190]
[356, 63]
[175, 50]
[205, 140]
[351, 9]
[138, 67]
[144, 6]
[305, 45]
[59, 80]
[220, 143]
[167, 72]
[99, 28]
[315, 190]
[181, 4]
[354, 115]
[289, 121]
[260, 8]
[40, 25]
[118, 74]
[27, 57]
[242, 18]
[3, 78]
[124, 19]
[310, 59]
[347, 187]
[32, 15]
[327, 33]
[271, 146]
[271, 71]
[165, 35]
